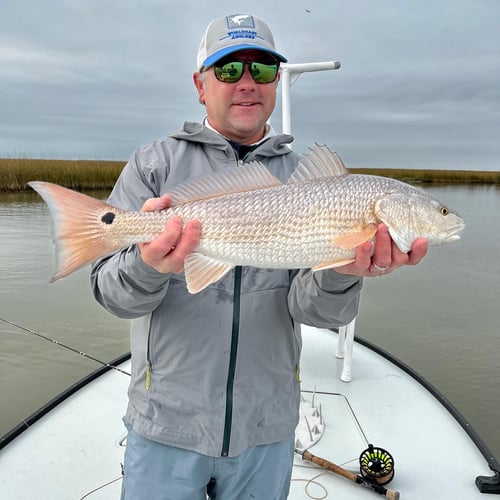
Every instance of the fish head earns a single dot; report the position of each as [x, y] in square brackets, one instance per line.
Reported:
[415, 214]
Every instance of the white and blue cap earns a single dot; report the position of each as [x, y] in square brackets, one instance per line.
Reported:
[229, 34]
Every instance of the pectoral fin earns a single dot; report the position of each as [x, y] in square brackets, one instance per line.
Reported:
[353, 240]
[202, 271]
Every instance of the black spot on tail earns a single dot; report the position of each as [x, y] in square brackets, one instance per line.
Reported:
[108, 218]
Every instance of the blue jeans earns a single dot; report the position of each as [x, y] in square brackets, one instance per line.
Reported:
[154, 471]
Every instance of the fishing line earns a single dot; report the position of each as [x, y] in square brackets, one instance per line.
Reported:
[101, 487]
[69, 348]
[313, 482]
[347, 402]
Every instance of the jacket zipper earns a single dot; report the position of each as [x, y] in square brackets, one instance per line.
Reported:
[228, 417]
[232, 362]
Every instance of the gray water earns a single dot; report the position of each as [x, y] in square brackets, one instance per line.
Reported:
[441, 317]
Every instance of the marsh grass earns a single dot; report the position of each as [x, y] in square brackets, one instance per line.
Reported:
[413, 176]
[75, 174]
[86, 175]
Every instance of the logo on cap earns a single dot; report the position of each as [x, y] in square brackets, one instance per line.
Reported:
[240, 21]
[241, 26]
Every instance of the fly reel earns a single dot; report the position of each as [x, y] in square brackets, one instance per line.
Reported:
[376, 465]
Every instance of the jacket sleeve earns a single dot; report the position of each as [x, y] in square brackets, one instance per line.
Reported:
[121, 282]
[324, 299]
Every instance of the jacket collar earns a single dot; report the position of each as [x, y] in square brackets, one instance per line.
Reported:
[271, 145]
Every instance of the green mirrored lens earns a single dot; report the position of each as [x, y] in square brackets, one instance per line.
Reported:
[263, 73]
[229, 72]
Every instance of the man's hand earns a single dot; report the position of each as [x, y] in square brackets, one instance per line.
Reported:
[383, 256]
[167, 252]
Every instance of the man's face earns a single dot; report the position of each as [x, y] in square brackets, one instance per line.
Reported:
[240, 110]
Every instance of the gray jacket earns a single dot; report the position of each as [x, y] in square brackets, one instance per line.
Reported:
[214, 372]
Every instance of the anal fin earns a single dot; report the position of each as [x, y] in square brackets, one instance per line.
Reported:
[202, 271]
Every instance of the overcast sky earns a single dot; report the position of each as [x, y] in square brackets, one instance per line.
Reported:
[419, 85]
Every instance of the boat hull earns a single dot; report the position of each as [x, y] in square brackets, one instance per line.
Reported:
[77, 446]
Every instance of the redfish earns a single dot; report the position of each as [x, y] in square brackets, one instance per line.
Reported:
[249, 218]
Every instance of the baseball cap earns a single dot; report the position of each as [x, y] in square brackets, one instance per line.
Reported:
[229, 34]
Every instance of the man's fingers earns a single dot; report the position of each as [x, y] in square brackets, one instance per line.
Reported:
[174, 261]
[156, 204]
[418, 251]
[189, 240]
[162, 244]
[169, 250]
[382, 255]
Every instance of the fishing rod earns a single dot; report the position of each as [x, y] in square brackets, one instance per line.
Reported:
[371, 470]
[69, 348]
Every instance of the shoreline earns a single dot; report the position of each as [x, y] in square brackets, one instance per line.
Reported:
[83, 175]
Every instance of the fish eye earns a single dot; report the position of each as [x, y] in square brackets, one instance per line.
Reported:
[444, 211]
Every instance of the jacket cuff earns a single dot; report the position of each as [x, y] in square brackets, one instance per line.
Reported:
[333, 282]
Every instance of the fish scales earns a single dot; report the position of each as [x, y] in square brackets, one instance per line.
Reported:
[288, 226]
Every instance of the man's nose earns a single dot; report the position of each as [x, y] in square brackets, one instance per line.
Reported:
[246, 77]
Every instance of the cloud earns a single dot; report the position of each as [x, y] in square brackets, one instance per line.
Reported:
[96, 79]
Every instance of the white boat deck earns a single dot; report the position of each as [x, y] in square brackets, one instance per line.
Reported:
[75, 448]
[434, 458]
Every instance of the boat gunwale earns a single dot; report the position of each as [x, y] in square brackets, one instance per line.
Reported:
[26, 423]
[485, 484]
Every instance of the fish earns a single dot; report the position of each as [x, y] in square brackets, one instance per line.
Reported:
[249, 218]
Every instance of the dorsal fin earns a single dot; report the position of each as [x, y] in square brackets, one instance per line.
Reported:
[253, 175]
[320, 162]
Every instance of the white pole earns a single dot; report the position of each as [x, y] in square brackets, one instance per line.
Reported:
[287, 70]
[286, 116]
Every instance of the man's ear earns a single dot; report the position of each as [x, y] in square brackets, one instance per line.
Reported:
[199, 83]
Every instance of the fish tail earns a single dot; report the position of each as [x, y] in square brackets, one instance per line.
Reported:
[79, 227]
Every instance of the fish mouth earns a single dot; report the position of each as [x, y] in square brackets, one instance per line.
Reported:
[452, 238]
[452, 234]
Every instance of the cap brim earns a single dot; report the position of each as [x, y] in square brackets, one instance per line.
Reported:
[209, 61]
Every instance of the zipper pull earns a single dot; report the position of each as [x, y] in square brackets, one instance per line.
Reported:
[148, 377]
[297, 374]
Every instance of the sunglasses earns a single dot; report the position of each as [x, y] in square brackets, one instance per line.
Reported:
[230, 70]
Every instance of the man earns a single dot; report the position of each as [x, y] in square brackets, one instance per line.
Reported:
[214, 395]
